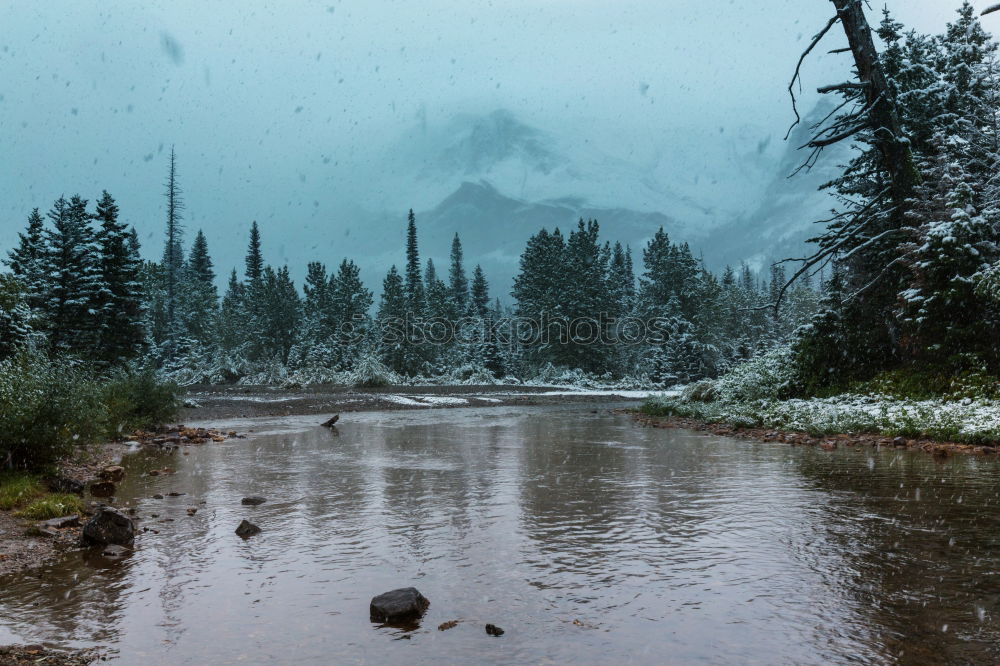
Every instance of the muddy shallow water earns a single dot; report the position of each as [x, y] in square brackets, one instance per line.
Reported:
[588, 539]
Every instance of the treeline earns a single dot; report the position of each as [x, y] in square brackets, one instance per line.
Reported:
[915, 244]
[77, 286]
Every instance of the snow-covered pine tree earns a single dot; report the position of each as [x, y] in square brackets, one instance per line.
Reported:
[73, 279]
[950, 242]
[173, 258]
[232, 317]
[391, 329]
[121, 334]
[16, 328]
[458, 283]
[351, 304]
[27, 262]
[199, 302]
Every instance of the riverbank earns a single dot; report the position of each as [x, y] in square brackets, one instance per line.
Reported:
[211, 403]
[829, 442]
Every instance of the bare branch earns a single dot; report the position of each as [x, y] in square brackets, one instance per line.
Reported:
[798, 68]
[843, 50]
[842, 86]
[816, 142]
[991, 9]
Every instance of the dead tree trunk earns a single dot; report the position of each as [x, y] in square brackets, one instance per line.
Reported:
[883, 117]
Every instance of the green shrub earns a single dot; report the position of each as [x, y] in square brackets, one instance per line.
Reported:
[46, 409]
[50, 406]
[138, 399]
[52, 506]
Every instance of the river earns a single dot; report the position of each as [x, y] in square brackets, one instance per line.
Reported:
[587, 538]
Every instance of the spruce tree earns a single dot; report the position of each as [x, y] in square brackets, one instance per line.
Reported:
[73, 281]
[414, 280]
[173, 254]
[392, 331]
[199, 295]
[27, 262]
[119, 302]
[458, 284]
[351, 303]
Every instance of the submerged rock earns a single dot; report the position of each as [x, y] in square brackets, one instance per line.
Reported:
[398, 605]
[246, 529]
[109, 526]
[115, 552]
[253, 500]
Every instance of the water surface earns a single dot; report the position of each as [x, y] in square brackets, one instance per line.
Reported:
[587, 538]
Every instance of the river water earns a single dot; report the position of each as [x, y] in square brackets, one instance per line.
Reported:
[589, 539]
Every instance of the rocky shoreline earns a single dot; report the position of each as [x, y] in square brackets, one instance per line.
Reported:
[826, 442]
[93, 473]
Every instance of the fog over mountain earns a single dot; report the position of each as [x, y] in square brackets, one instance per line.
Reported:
[325, 122]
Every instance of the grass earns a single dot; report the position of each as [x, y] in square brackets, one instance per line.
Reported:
[18, 489]
[27, 494]
[52, 506]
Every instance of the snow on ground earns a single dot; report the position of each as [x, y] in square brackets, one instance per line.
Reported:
[404, 400]
[637, 395]
[443, 400]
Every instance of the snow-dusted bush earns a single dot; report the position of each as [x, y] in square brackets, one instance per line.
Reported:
[369, 371]
[768, 376]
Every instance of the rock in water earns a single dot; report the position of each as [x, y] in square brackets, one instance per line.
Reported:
[332, 421]
[102, 489]
[246, 529]
[494, 630]
[109, 526]
[114, 473]
[399, 605]
[253, 500]
[66, 484]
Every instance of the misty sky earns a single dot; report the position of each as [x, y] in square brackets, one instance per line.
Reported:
[282, 111]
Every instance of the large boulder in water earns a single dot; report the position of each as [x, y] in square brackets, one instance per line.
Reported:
[398, 605]
[109, 526]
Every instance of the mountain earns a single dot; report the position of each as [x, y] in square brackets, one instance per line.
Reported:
[496, 180]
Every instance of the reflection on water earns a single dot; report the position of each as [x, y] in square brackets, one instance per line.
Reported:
[588, 539]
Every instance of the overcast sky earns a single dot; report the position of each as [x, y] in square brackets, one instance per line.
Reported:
[275, 107]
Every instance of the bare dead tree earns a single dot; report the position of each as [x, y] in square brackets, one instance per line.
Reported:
[872, 110]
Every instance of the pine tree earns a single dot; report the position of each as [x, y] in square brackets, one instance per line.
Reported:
[27, 262]
[458, 284]
[351, 303]
[950, 244]
[255, 260]
[392, 331]
[254, 296]
[16, 329]
[414, 280]
[119, 302]
[480, 293]
[173, 255]
[199, 296]
[232, 316]
[73, 281]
